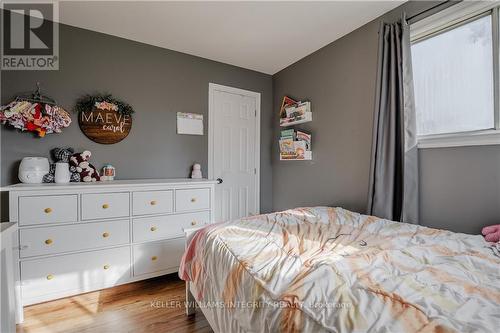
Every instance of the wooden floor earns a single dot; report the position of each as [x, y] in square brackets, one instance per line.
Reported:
[154, 305]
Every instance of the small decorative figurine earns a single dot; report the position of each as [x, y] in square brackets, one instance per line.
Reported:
[108, 172]
[196, 173]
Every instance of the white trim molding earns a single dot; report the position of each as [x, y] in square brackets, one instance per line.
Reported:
[479, 138]
[450, 16]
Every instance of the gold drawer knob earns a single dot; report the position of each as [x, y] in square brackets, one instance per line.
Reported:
[193, 222]
[49, 241]
[106, 234]
[193, 199]
[153, 229]
[50, 277]
[106, 267]
[47, 210]
[153, 258]
[105, 206]
[152, 203]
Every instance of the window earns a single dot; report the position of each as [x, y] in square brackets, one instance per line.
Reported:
[455, 59]
[453, 78]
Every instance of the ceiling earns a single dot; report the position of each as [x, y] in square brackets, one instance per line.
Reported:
[261, 36]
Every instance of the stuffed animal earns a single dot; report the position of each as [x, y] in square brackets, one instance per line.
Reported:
[61, 155]
[87, 172]
[492, 233]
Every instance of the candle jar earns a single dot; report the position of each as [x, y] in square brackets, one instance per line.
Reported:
[108, 172]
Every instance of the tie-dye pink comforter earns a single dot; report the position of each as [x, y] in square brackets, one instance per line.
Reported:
[330, 270]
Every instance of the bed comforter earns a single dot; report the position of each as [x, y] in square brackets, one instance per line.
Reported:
[331, 270]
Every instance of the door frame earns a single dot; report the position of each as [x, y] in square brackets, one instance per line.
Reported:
[212, 88]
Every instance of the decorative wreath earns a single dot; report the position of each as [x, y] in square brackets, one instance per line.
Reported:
[102, 102]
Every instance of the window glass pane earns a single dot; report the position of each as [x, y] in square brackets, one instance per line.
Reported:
[453, 78]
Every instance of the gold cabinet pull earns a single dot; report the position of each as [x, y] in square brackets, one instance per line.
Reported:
[47, 210]
[193, 199]
[153, 202]
[153, 228]
[48, 241]
[106, 267]
[193, 222]
[50, 277]
[153, 258]
[106, 234]
[105, 206]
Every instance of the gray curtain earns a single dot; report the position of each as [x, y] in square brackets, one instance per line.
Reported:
[393, 191]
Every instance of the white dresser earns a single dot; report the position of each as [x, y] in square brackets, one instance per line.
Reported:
[80, 237]
[7, 278]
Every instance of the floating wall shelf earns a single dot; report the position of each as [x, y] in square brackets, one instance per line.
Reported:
[307, 117]
[307, 157]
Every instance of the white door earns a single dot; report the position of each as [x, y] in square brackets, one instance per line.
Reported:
[234, 151]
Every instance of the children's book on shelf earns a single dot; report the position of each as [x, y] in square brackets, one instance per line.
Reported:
[289, 133]
[287, 102]
[294, 111]
[294, 144]
[302, 136]
[298, 110]
[300, 149]
[287, 146]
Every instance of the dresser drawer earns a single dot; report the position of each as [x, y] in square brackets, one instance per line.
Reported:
[105, 205]
[152, 202]
[192, 199]
[48, 209]
[74, 273]
[66, 238]
[157, 256]
[164, 227]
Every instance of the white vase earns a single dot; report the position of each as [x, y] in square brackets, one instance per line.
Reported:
[62, 174]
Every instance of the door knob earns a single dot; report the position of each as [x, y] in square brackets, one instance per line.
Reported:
[219, 180]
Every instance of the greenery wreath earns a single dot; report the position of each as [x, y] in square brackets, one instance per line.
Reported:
[102, 101]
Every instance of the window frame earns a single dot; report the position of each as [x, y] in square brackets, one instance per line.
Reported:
[450, 18]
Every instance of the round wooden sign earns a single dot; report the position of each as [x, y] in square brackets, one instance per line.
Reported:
[105, 126]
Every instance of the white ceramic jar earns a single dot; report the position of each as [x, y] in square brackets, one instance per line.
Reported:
[62, 174]
[32, 169]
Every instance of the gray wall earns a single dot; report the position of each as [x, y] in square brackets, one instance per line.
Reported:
[460, 187]
[157, 82]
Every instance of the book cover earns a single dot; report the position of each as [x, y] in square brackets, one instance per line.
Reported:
[287, 146]
[300, 148]
[290, 111]
[303, 134]
[300, 110]
[287, 101]
[288, 133]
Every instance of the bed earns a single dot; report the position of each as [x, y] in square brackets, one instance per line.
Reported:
[327, 269]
